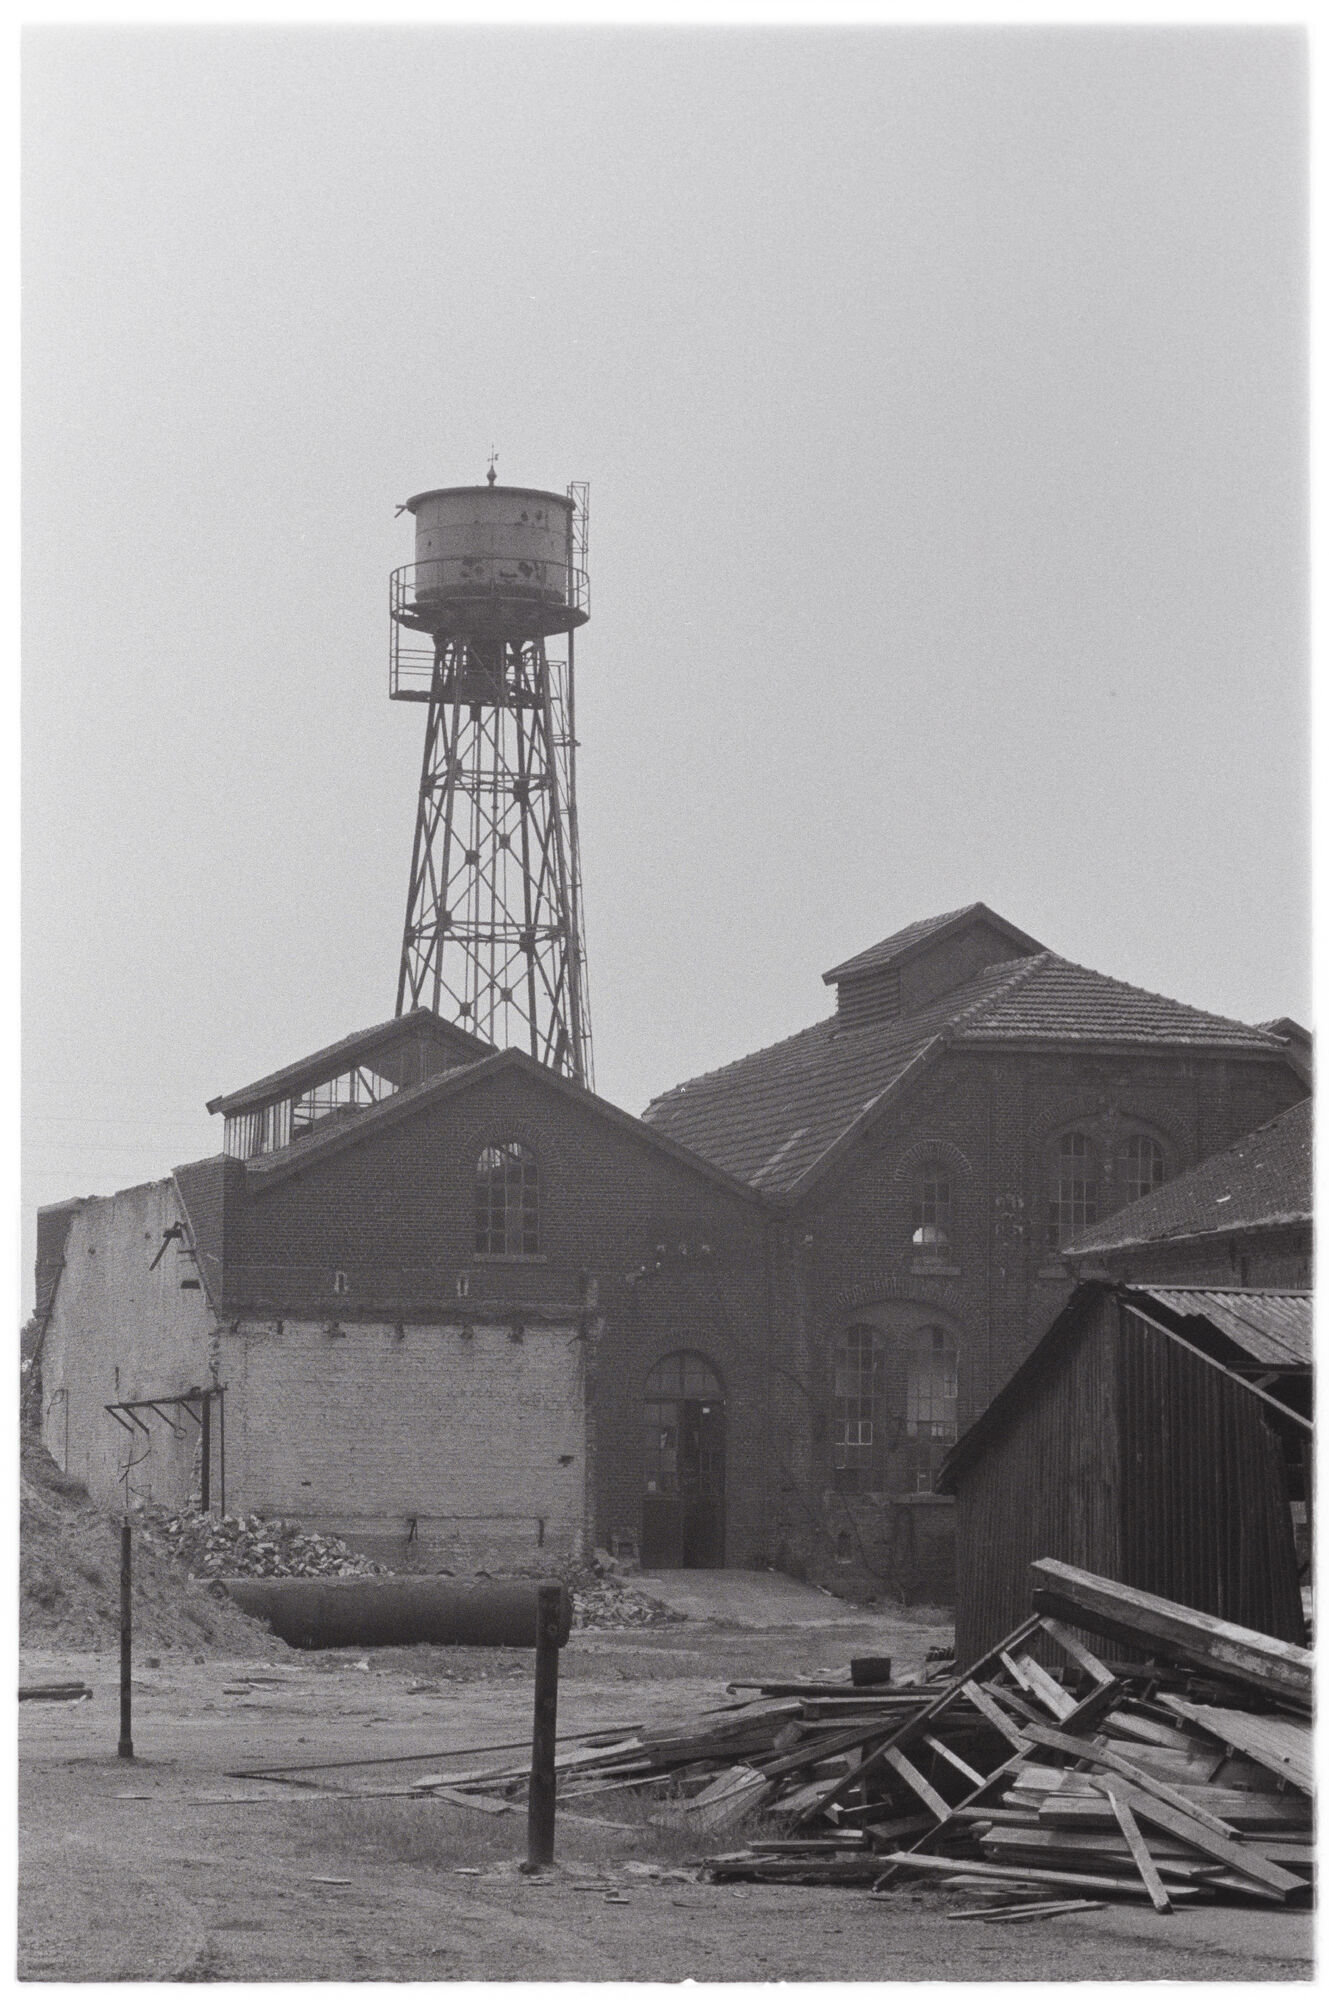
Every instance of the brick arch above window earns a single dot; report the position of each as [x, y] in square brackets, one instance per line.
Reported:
[925, 1150]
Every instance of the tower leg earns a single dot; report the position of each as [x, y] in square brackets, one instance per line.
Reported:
[491, 937]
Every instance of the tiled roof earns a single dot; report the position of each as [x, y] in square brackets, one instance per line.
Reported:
[1261, 1182]
[1272, 1328]
[326, 1062]
[929, 930]
[771, 1117]
[1061, 1002]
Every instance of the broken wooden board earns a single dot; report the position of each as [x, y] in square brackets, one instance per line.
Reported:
[1116, 1885]
[1237, 1652]
[1280, 1743]
[1235, 1855]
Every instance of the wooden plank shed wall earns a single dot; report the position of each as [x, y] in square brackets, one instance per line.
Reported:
[1046, 1485]
[1134, 1458]
[1205, 1509]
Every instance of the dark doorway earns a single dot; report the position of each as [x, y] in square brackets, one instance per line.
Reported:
[682, 1515]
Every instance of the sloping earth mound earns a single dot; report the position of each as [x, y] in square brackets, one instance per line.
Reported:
[69, 1580]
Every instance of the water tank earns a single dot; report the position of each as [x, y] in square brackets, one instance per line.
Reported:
[493, 555]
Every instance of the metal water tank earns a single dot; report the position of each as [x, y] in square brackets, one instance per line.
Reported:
[497, 555]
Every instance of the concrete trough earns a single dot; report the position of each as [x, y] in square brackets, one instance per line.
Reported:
[320, 1611]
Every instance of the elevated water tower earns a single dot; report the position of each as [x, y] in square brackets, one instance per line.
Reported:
[493, 914]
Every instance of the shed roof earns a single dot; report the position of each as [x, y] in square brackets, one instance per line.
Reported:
[1275, 1333]
[1264, 1181]
[1275, 1329]
[775, 1117]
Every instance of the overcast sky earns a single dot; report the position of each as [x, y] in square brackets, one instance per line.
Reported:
[941, 394]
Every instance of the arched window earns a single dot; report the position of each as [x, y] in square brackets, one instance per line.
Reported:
[1143, 1167]
[930, 1210]
[895, 1395]
[1074, 1202]
[507, 1202]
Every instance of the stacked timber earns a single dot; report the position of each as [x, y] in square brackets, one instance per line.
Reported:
[1186, 1777]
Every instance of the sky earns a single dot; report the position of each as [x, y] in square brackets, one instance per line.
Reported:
[942, 396]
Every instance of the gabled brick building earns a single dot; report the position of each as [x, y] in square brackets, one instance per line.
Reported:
[418, 1300]
[432, 1295]
[973, 1101]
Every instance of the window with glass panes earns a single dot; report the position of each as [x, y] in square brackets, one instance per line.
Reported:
[930, 1215]
[857, 1394]
[507, 1202]
[683, 1451]
[1074, 1203]
[1144, 1166]
[931, 1387]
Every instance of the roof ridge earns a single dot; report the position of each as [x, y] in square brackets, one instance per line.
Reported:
[1147, 993]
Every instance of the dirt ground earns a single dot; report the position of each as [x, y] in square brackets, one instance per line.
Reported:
[167, 1868]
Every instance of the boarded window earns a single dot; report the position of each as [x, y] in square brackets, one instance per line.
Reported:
[507, 1202]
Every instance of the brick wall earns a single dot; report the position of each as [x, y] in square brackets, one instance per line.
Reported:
[118, 1332]
[460, 1444]
[650, 1251]
[993, 1118]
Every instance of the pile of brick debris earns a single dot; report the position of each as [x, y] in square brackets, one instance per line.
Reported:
[1041, 1777]
[211, 1546]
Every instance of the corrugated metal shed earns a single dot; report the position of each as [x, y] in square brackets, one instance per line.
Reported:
[1274, 1328]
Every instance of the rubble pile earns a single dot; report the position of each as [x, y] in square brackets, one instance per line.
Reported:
[608, 1603]
[246, 1545]
[605, 1594]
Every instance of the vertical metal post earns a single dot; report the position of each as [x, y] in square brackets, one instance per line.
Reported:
[126, 1747]
[205, 1481]
[540, 1811]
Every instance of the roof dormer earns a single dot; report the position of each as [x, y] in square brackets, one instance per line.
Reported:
[918, 965]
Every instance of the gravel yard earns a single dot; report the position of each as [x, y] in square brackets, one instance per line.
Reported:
[167, 1868]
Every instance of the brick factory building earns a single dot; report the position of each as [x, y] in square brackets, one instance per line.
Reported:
[435, 1295]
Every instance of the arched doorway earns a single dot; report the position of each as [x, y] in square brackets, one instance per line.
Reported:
[683, 1453]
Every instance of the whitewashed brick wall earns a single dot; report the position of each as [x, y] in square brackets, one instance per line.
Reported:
[365, 1431]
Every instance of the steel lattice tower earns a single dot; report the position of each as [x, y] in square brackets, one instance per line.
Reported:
[493, 913]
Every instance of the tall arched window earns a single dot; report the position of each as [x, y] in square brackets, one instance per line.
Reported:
[1074, 1193]
[930, 1208]
[507, 1202]
[1144, 1166]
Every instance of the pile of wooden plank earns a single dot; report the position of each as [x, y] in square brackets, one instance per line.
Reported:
[1181, 1775]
